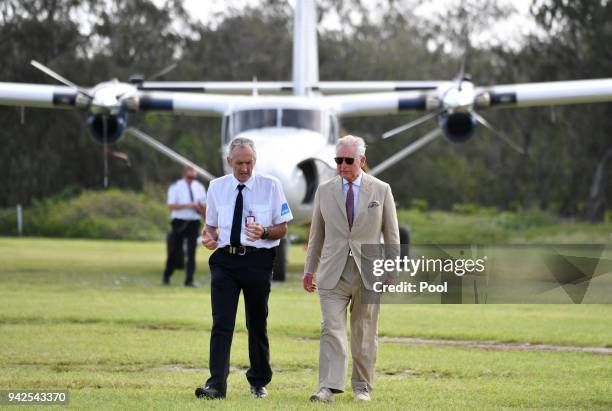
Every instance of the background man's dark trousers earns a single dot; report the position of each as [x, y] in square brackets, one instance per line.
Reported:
[181, 230]
[251, 273]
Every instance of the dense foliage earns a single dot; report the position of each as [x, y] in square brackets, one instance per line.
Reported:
[112, 214]
[567, 170]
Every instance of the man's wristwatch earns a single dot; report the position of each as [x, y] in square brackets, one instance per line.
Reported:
[265, 234]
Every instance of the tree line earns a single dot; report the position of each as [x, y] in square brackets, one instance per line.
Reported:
[566, 170]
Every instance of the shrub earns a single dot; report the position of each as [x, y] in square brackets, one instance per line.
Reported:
[522, 219]
[473, 209]
[419, 204]
[98, 214]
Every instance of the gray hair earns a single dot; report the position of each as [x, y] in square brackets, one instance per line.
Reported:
[352, 141]
[241, 142]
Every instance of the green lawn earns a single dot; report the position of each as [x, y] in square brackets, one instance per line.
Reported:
[486, 226]
[92, 317]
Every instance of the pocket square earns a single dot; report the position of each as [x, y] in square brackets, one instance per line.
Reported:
[373, 204]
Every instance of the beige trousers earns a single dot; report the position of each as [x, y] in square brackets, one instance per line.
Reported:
[333, 357]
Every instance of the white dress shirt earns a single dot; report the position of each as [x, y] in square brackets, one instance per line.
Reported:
[263, 198]
[356, 185]
[178, 193]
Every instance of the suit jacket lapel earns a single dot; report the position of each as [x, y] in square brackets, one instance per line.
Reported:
[364, 195]
[339, 196]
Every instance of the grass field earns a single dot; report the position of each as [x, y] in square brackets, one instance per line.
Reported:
[92, 317]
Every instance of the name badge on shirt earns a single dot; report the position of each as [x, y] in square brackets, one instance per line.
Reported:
[250, 219]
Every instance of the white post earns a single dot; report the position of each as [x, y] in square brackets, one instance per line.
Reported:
[19, 221]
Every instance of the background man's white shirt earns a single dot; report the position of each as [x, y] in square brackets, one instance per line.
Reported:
[178, 193]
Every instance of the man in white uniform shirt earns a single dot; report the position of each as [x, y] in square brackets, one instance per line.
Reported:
[246, 217]
[187, 203]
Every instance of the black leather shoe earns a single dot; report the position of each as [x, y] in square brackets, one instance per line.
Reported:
[165, 281]
[208, 393]
[192, 285]
[259, 392]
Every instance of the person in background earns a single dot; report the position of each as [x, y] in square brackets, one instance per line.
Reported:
[187, 203]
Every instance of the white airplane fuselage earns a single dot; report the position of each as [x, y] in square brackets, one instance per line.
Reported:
[295, 143]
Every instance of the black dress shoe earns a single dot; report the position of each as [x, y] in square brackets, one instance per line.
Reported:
[208, 393]
[192, 285]
[259, 392]
[165, 281]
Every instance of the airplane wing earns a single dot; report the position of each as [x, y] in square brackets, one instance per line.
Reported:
[342, 87]
[223, 87]
[196, 104]
[550, 93]
[456, 104]
[372, 104]
[37, 95]
[449, 95]
[49, 96]
[286, 87]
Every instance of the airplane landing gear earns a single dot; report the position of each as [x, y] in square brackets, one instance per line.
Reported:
[404, 234]
[279, 272]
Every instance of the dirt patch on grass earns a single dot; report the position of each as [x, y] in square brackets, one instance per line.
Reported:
[497, 346]
[178, 368]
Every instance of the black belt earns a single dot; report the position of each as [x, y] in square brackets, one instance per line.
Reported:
[240, 250]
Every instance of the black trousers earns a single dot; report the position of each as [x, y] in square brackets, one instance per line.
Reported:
[251, 273]
[181, 230]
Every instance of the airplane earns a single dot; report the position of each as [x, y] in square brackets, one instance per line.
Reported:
[295, 124]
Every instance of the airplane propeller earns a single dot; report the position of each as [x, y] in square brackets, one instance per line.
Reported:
[60, 78]
[153, 143]
[498, 133]
[410, 125]
[138, 79]
[461, 75]
[107, 105]
[98, 102]
[455, 106]
[405, 152]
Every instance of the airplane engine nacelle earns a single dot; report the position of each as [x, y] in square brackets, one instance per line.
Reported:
[458, 127]
[314, 171]
[115, 125]
[311, 178]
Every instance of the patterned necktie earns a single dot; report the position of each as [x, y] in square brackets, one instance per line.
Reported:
[350, 205]
[237, 221]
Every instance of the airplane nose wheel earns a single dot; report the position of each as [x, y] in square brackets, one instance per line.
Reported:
[279, 271]
[404, 234]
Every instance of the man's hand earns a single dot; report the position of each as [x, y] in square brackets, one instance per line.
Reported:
[309, 284]
[201, 209]
[208, 241]
[254, 231]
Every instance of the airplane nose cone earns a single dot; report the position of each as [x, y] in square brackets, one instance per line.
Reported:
[280, 152]
[291, 178]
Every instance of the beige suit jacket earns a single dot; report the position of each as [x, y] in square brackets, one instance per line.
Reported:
[330, 238]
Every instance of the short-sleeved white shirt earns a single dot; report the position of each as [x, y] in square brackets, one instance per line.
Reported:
[178, 193]
[263, 197]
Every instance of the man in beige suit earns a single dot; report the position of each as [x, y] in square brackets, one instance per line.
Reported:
[351, 209]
